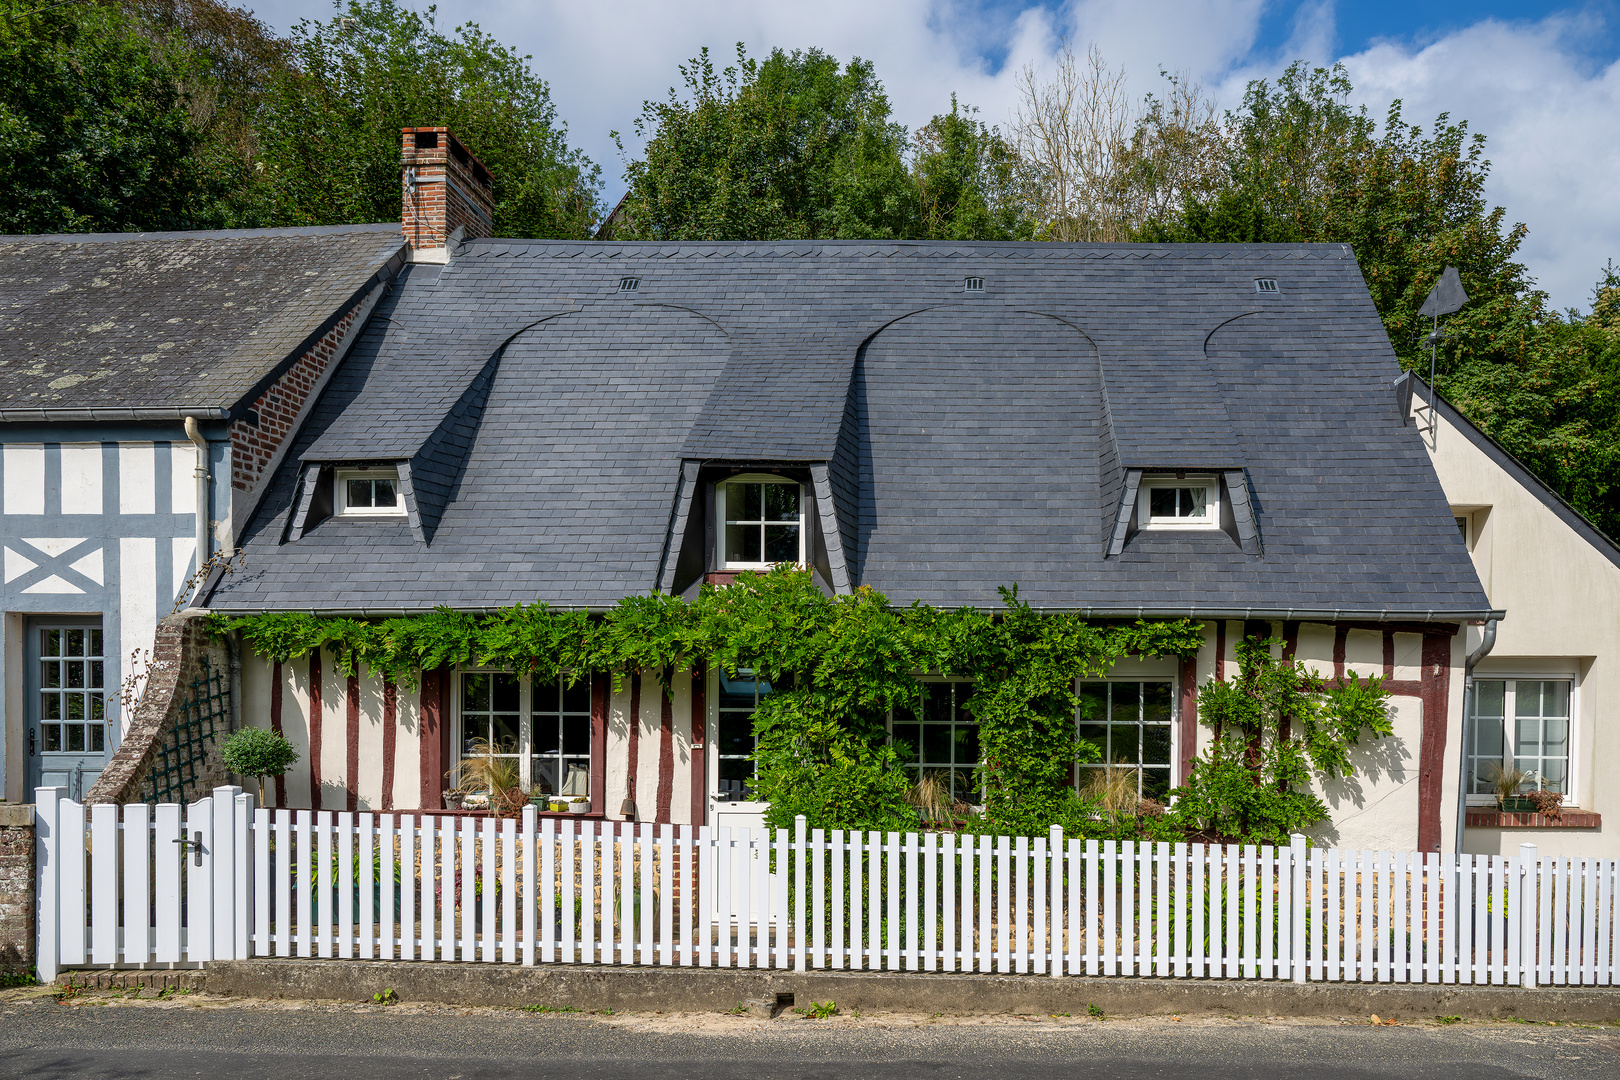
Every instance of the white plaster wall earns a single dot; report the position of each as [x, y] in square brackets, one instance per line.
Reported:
[1377, 807]
[334, 745]
[680, 802]
[617, 783]
[408, 749]
[295, 726]
[649, 746]
[1562, 598]
[370, 781]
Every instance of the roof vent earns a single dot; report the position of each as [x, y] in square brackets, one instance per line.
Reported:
[973, 284]
[629, 284]
[1265, 285]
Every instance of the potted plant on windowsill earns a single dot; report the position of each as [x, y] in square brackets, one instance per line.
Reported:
[579, 805]
[1506, 783]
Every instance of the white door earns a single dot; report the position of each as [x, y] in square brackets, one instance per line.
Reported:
[731, 750]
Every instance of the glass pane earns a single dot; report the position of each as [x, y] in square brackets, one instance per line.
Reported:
[906, 741]
[75, 737]
[53, 737]
[1124, 747]
[1555, 736]
[1194, 502]
[50, 673]
[96, 674]
[1127, 696]
[543, 776]
[1156, 702]
[781, 543]
[504, 728]
[1098, 735]
[967, 745]
[98, 738]
[964, 693]
[937, 703]
[475, 691]
[1488, 697]
[1527, 698]
[96, 706]
[359, 493]
[781, 502]
[383, 493]
[742, 544]
[736, 734]
[75, 673]
[75, 706]
[936, 744]
[1555, 699]
[1552, 776]
[506, 693]
[1156, 784]
[95, 643]
[737, 770]
[576, 734]
[75, 642]
[50, 706]
[1528, 741]
[1488, 737]
[577, 698]
[1162, 502]
[1093, 701]
[1156, 745]
[50, 643]
[546, 695]
[742, 502]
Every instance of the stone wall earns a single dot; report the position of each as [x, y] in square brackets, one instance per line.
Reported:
[17, 883]
[178, 652]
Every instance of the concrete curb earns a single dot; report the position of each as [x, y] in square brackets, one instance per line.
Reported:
[718, 990]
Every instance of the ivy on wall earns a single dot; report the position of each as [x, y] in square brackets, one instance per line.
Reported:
[839, 664]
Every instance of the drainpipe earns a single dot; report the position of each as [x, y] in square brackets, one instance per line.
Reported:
[195, 435]
[1487, 643]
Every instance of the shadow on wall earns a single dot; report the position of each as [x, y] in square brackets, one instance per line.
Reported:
[1376, 807]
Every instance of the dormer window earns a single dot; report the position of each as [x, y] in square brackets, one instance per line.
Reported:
[1179, 502]
[762, 522]
[368, 492]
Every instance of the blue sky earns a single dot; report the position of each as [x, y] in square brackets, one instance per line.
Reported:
[1541, 80]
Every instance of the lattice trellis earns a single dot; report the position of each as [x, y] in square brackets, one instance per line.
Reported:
[179, 769]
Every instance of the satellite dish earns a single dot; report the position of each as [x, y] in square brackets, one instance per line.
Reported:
[1446, 296]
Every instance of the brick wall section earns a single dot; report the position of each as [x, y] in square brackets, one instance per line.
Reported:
[252, 448]
[177, 655]
[16, 888]
[452, 191]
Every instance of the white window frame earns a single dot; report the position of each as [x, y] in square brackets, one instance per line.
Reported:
[525, 753]
[1175, 724]
[340, 492]
[720, 520]
[1211, 518]
[915, 769]
[1510, 738]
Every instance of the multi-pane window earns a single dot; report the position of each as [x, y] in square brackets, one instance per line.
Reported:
[763, 522]
[740, 695]
[1187, 503]
[1130, 723]
[369, 492]
[944, 741]
[1524, 724]
[72, 690]
[542, 727]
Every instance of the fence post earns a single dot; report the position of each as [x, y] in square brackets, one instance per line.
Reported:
[242, 877]
[1301, 901]
[1529, 882]
[48, 898]
[801, 931]
[224, 859]
[1054, 912]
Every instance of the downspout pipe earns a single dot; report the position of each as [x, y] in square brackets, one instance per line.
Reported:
[195, 435]
[1487, 643]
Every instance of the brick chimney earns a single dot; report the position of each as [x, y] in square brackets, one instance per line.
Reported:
[445, 188]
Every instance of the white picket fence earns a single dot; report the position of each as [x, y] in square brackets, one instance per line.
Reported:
[137, 886]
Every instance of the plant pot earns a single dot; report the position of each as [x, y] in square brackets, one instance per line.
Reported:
[1517, 804]
[579, 807]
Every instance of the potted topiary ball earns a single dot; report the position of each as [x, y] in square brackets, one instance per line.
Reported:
[257, 752]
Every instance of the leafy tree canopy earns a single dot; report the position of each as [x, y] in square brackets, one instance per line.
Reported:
[971, 183]
[329, 134]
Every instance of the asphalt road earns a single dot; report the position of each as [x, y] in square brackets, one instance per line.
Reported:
[43, 1039]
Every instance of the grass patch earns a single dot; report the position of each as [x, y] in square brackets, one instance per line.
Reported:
[552, 1008]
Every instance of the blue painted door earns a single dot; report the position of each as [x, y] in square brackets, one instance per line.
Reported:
[67, 704]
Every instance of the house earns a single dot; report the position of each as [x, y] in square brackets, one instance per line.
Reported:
[1543, 690]
[1121, 430]
[148, 386]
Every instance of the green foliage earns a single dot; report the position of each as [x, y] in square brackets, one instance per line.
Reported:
[1275, 725]
[971, 183]
[796, 146]
[329, 132]
[95, 128]
[385, 997]
[837, 664]
[818, 1010]
[257, 752]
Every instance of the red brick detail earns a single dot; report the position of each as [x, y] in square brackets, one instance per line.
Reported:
[443, 188]
[601, 689]
[1187, 717]
[351, 760]
[315, 729]
[666, 756]
[390, 740]
[435, 733]
[1435, 693]
[252, 448]
[1569, 819]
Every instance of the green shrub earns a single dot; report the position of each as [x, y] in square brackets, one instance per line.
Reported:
[257, 752]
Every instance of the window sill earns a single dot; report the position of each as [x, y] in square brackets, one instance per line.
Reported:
[1570, 819]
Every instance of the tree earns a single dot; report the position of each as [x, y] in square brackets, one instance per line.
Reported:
[794, 147]
[1275, 725]
[971, 183]
[329, 132]
[257, 752]
[96, 132]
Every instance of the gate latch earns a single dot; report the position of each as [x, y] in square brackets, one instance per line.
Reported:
[196, 847]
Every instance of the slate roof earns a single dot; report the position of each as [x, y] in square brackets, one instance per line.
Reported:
[972, 439]
[195, 321]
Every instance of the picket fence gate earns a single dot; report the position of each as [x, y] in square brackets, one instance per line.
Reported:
[172, 886]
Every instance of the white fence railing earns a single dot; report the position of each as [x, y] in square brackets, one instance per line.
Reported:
[219, 879]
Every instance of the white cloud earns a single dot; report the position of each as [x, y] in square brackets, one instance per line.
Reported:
[1550, 115]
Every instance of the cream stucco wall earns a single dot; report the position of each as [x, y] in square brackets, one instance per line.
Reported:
[1562, 598]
